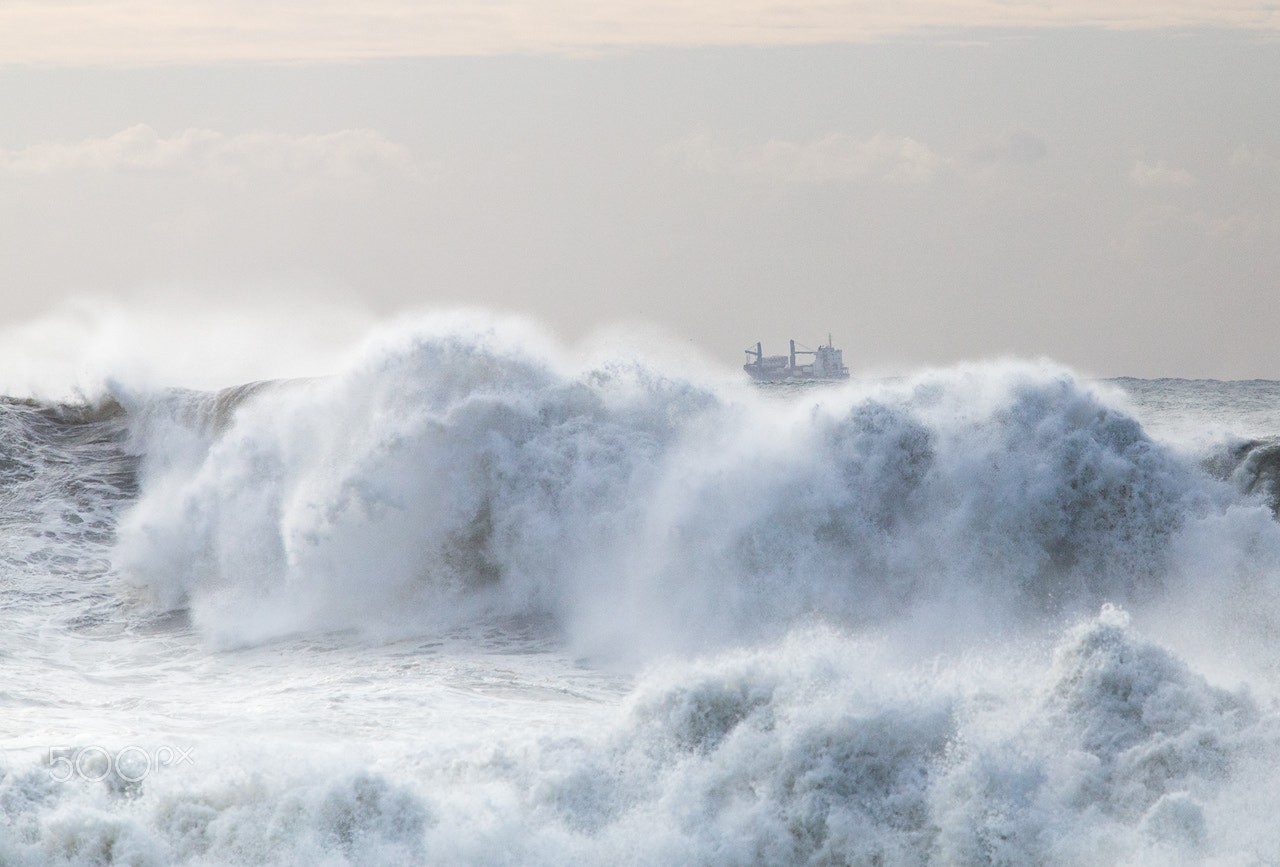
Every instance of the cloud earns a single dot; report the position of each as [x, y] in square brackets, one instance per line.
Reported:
[346, 155]
[1160, 176]
[1172, 234]
[1019, 148]
[146, 32]
[836, 158]
[1254, 158]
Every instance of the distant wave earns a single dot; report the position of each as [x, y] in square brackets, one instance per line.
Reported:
[1252, 466]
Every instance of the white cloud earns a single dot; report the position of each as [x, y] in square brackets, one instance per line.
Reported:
[1160, 176]
[1019, 147]
[346, 155]
[1254, 158]
[1174, 234]
[141, 32]
[836, 158]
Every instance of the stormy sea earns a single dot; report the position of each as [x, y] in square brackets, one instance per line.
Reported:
[472, 601]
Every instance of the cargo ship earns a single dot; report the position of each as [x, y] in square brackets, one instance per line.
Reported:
[827, 364]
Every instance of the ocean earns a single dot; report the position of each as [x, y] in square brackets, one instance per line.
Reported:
[474, 601]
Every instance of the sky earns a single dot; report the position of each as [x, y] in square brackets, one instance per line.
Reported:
[927, 182]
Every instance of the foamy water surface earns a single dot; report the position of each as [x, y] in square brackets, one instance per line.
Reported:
[471, 601]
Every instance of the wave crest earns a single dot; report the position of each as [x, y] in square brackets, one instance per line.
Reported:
[451, 474]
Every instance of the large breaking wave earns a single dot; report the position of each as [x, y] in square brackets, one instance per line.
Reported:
[451, 473]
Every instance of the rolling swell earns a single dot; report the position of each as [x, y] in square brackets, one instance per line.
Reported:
[1253, 467]
[453, 474]
[65, 474]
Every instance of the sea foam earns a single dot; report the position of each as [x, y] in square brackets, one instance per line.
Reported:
[1103, 748]
[453, 474]
[492, 604]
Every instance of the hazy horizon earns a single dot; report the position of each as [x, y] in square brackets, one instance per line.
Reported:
[1105, 196]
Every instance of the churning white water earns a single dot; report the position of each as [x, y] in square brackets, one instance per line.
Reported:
[467, 602]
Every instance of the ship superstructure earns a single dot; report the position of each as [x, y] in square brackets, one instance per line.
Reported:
[828, 363]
